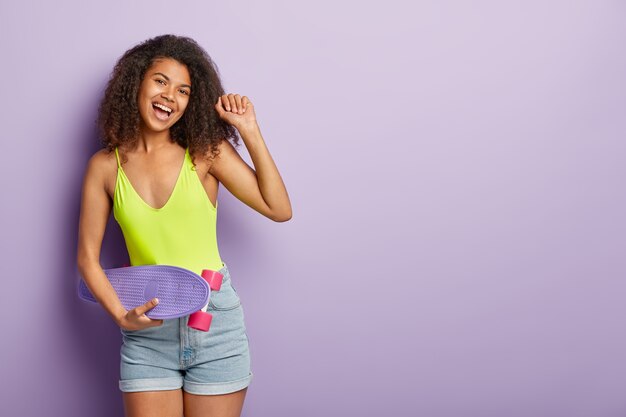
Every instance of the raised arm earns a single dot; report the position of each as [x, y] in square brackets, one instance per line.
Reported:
[261, 188]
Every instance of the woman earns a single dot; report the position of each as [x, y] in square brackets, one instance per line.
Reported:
[164, 104]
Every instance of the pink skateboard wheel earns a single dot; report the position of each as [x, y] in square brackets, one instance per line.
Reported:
[214, 278]
[200, 320]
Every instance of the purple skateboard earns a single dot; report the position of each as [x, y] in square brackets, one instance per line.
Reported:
[179, 290]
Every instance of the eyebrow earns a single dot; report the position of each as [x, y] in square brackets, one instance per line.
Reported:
[168, 78]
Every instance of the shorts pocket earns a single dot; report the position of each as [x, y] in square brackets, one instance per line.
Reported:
[224, 299]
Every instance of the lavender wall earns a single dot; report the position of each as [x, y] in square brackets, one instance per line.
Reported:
[456, 172]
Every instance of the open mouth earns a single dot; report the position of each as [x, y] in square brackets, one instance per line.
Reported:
[162, 112]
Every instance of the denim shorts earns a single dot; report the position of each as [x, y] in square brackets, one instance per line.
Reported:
[173, 355]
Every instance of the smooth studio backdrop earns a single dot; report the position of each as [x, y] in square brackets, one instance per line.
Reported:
[456, 173]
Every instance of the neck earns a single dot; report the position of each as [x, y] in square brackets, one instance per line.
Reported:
[150, 141]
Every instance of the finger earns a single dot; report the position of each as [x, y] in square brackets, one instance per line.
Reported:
[147, 306]
[156, 323]
[219, 106]
[239, 104]
[226, 102]
[233, 102]
[246, 102]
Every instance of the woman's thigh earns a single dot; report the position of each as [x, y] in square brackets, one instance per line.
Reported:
[225, 405]
[168, 403]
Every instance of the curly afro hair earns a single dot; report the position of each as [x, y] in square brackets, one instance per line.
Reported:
[200, 128]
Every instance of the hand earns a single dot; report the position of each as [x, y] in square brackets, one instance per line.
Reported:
[136, 318]
[236, 110]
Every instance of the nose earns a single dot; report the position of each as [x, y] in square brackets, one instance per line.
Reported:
[167, 94]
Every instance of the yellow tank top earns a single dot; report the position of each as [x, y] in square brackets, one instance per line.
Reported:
[181, 233]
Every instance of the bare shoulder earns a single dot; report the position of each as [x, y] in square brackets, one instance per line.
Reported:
[102, 168]
[226, 153]
[206, 161]
[102, 162]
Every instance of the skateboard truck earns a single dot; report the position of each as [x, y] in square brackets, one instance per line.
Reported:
[201, 320]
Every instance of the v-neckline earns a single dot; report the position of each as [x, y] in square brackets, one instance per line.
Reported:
[180, 174]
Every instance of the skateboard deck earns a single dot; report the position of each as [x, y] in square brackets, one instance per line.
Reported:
[179, 290]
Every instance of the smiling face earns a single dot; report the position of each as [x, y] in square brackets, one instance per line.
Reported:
[163, 94]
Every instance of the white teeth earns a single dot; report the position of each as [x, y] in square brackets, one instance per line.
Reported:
[162, 107]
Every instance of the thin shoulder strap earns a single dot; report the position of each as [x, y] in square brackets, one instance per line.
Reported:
[118, 157]
[188, 160]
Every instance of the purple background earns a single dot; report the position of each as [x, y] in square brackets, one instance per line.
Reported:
[456, 174]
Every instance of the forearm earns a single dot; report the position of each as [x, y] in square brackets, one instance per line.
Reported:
[270, 182]
[101, 289]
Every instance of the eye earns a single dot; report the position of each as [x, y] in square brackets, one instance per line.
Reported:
[184, 92]
[160, 81]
